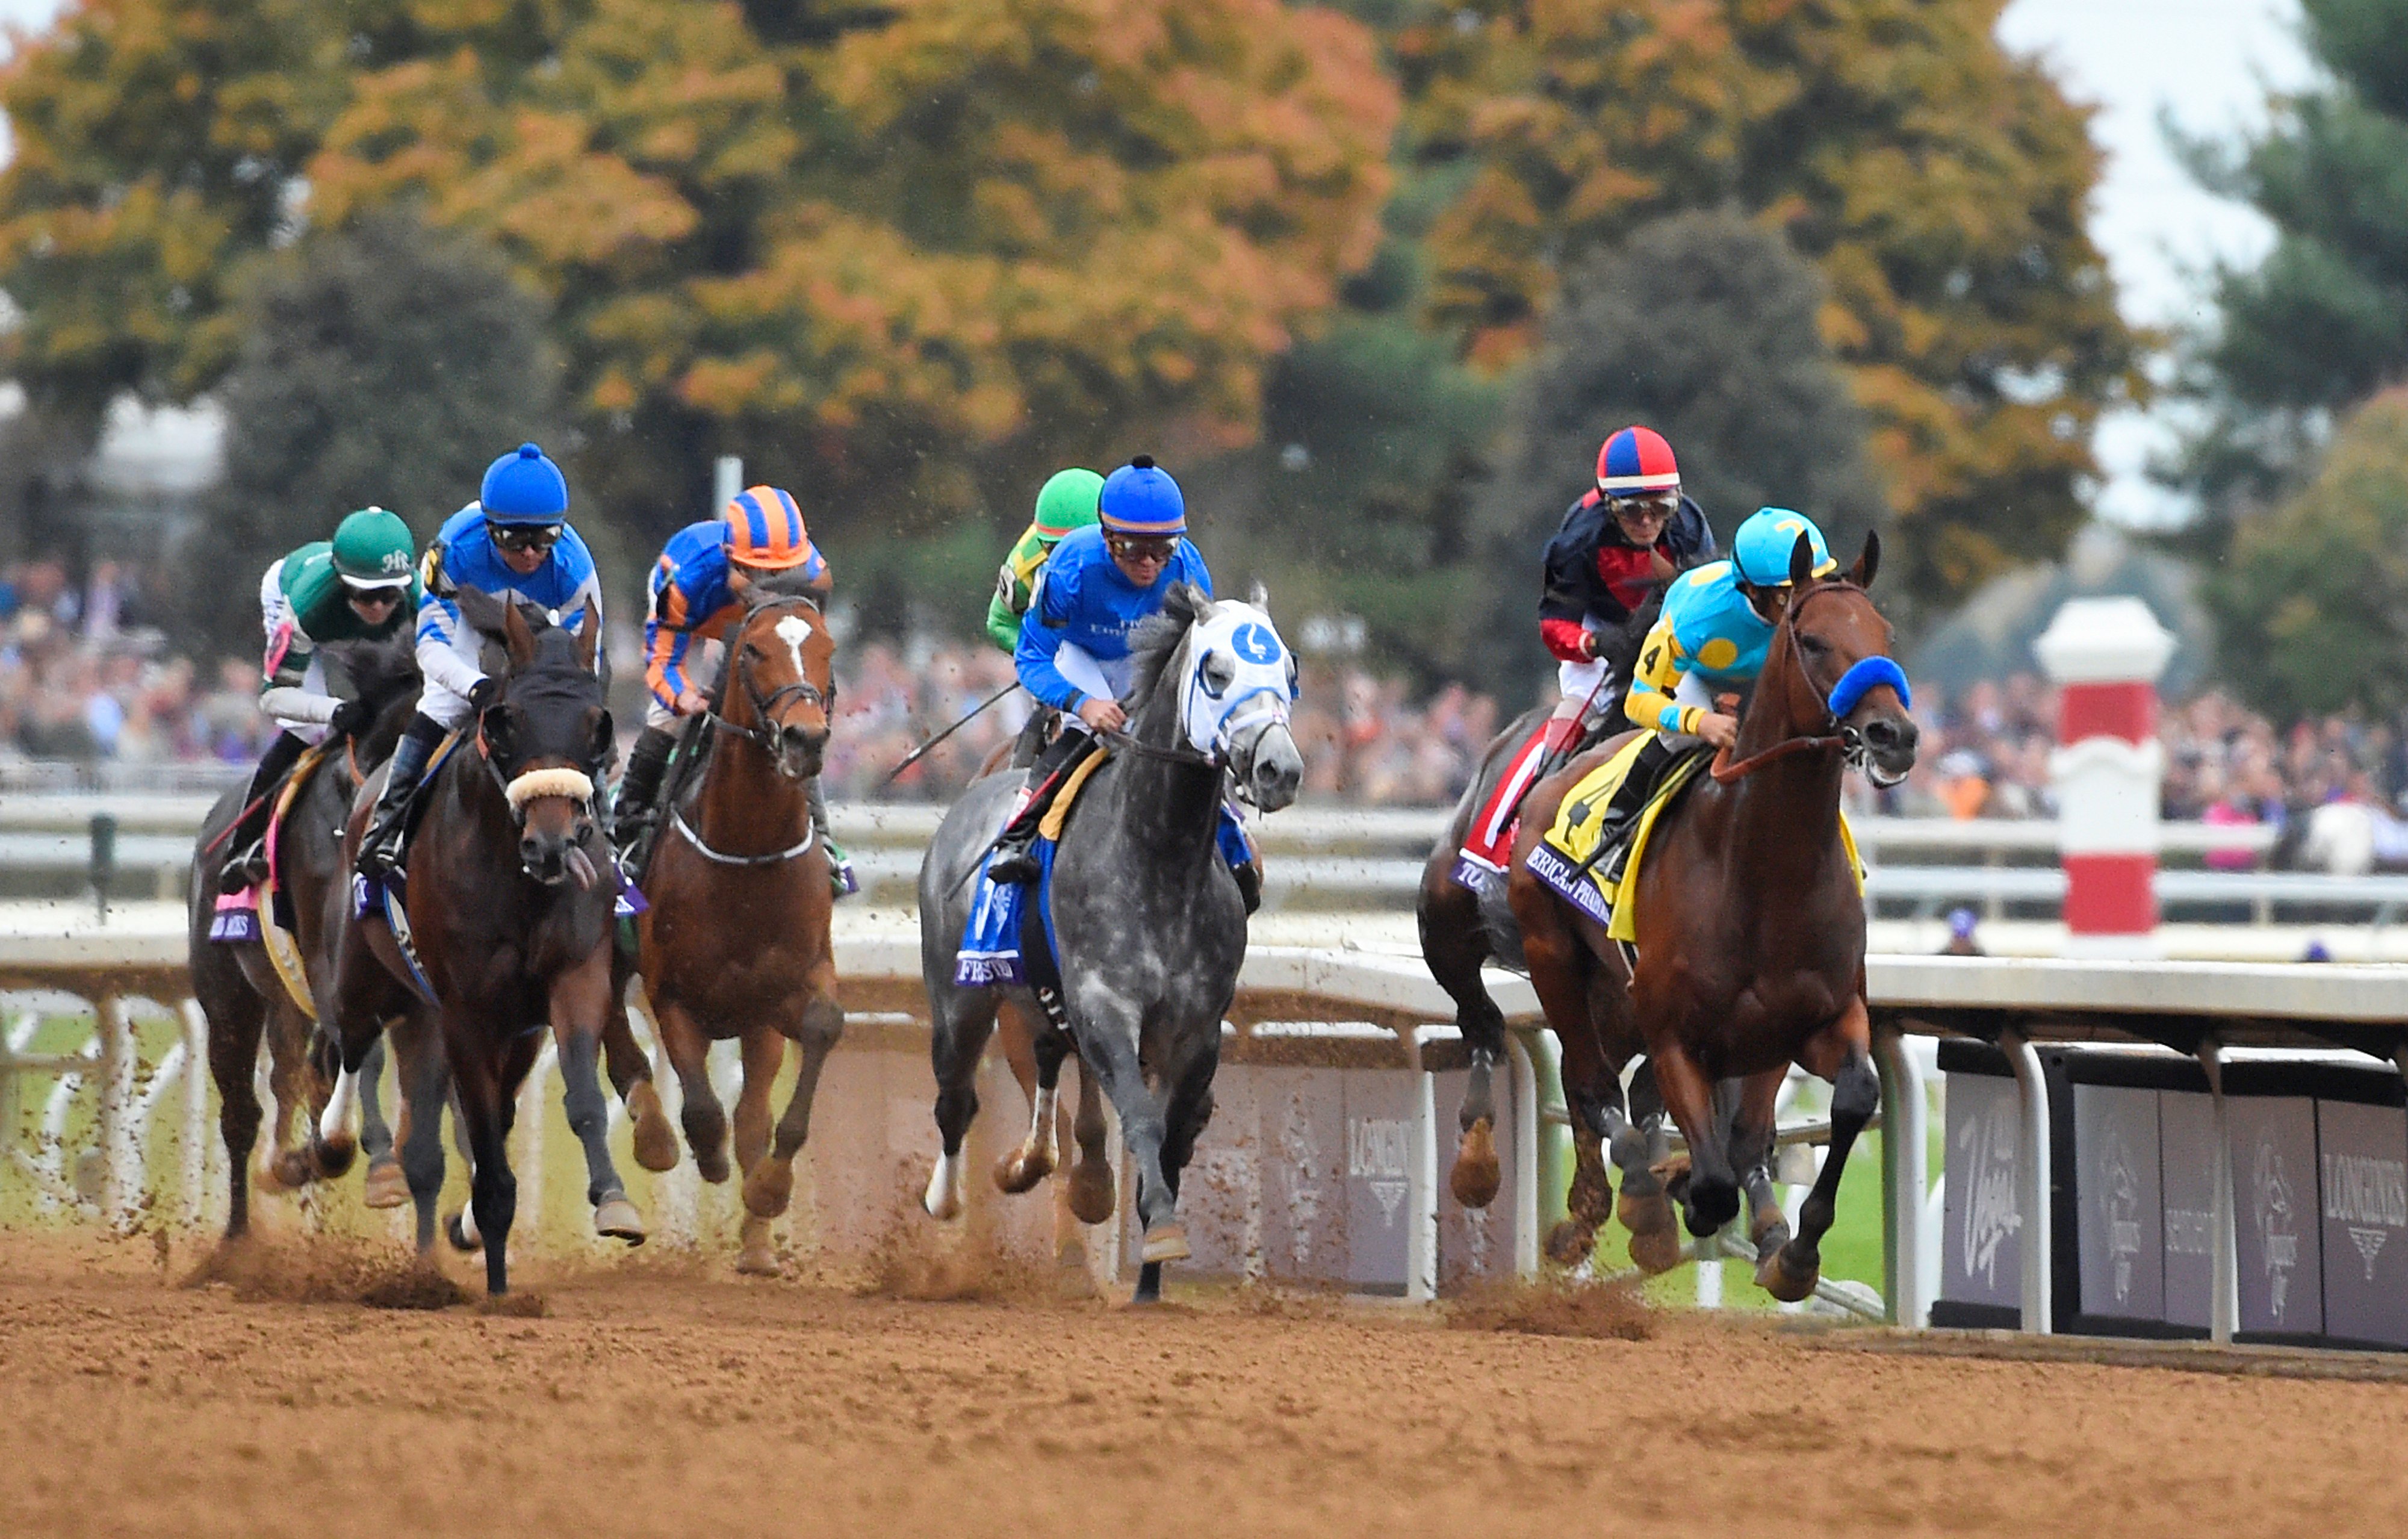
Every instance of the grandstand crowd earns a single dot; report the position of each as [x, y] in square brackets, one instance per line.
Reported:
[84, 680]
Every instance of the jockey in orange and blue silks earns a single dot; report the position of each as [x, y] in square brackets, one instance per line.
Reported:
[695, 595]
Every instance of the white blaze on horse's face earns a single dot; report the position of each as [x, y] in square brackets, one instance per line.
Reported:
[795, 630]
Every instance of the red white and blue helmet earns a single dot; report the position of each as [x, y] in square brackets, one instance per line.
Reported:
[1635, 462]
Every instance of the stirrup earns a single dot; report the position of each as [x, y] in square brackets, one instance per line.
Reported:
[841, 876]
[244, 870]
[1011, 865]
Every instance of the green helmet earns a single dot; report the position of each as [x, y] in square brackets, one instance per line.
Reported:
[373, 549]
[1068, 502]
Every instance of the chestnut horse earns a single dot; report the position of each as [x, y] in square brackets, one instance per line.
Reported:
[736, 941]
[1751, 924]
[511, 919]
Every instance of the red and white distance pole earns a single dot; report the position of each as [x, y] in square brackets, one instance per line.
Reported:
[2106, 656]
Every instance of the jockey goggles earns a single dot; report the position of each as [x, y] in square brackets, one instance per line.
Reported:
[1154, 548]
[524, 536]
[1648, 507]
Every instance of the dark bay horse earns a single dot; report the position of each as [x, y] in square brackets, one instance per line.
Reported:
[509, 907]
[238, 988]
[1150, 926]
[1463, 930]
[736, 941]
[1751, 926]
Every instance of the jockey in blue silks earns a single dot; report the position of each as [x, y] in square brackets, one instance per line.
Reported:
[512, 543]
[1711, 640]
[1074, 641]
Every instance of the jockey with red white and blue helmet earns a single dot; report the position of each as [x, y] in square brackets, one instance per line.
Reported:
[1710, 640]
[695, 594]
[1631, 532]
[1074, 642]
[512, 543]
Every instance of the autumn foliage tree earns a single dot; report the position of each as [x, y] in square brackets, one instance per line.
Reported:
[1937, 181]
[885, 251]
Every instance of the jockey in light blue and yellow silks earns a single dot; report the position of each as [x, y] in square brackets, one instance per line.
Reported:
[1711, 640]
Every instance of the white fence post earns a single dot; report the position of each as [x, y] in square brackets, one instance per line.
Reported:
[1421, 1239]
[1906, 1152]
[2033, 1205]
[2224, 1299]
[1524, 1075]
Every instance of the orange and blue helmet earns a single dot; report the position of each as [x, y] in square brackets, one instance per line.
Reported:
[765, 529]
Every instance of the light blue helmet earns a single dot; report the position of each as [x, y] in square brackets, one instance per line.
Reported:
[1761, 550]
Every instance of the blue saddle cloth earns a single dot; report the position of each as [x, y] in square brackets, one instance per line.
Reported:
[993, 949]
[996, 941]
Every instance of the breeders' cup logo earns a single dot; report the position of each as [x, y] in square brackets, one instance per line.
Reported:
[2369, 1196]
[1375, 1155]
[2123, 1215]
[1987, 1147]
[2277, 1222]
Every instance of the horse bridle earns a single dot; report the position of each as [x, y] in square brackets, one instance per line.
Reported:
[802, 689]
[1838, 735]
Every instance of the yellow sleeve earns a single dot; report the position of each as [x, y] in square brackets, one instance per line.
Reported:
[1650, 701]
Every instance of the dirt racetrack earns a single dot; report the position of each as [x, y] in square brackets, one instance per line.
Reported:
[657, 1397]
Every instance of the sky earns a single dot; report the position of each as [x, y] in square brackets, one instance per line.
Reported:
[2210, 62]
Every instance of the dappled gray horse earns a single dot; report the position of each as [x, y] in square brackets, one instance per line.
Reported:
[1148, 924]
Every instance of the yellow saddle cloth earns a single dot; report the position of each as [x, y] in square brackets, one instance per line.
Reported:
[1050, 825]
[1573, 837]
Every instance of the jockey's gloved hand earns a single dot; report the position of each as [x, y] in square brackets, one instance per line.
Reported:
[483, 692]
[349, 718]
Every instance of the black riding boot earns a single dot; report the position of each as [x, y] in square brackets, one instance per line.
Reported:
[638, 788]
[380, 850]
[1014, 860]
[247, 865]
[1629, 800]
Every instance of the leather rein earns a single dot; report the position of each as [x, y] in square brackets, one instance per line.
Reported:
[761, 736]
[1839, 739]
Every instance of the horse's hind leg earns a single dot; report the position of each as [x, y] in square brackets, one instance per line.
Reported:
[965, 1019]
[1454, 946]
[706, 1120]
[386, 1185]
[236, 1016]
[814, 1029]
[575, 1027]
[765, 1054]
[631, 1075]
[1022, 1169]
[1093, 1198]
[1843, 1054]
[424, 1085]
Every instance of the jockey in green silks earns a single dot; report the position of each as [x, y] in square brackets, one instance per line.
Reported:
[1067, 503]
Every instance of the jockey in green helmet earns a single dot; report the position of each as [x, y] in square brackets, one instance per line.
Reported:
[1066, 502]
[361, 585]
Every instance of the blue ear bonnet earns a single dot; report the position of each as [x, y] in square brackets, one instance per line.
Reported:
[1868, 674]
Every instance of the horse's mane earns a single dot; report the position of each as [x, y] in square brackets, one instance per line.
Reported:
[1159, 637]
[381, 671]
[788, 583]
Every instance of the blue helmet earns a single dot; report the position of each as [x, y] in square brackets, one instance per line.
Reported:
[1139, 499]
[525, 487]
[1761, 550]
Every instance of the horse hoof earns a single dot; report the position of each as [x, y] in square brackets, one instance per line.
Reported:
[760, 1261]
[616, 1219]
[1655, 1252]
[1149, 1285]
[1788, 1277]
[1570, 1242]
[712, 1167]
[768, 1188]
[1021, 1171]
[335, 1155]
[1645, 1214]
[656, 1147]
[279, 1172]
[1093, 1200]
[385, 1185]
[1477, 1174]
[455, 1230]
[1164, 1242]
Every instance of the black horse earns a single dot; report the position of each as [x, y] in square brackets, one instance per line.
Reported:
[238, 987]
[508, 903]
